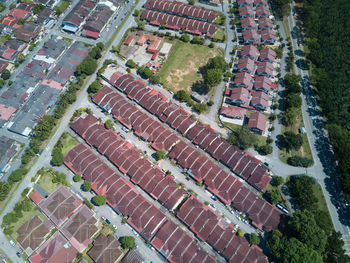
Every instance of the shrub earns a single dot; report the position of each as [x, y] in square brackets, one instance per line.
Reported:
[86, 186]
[130, 63]
[299, 161]
[77, 178]
[128, 242]
[109, 124]
[99, 200]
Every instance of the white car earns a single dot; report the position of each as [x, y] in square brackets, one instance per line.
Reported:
[115, 227]
[212, 205]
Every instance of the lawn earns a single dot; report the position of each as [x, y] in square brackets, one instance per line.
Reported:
[261, 140]
[45, 181]
[181, 69]
[68, 144]
[322, 205]
[305, 150]
[220, 34]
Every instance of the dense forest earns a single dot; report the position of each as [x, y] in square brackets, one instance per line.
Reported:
[327, 37]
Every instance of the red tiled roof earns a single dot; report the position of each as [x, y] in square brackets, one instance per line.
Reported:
[128, 40]
[19, 13]
[257, 120]
[233, 111]
[92, 34]
[36, 197]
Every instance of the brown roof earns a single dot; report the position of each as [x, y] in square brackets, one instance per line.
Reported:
[233, 111]
[33, 232]
[105, 249]
[257, 121]
[132, 257]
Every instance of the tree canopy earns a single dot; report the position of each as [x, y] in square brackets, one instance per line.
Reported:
[290, 140]
[86, 186]
[87, 66]
[212, 77]
[128, 242]
[99, 200]
[95, 87]
[109, 124]
[160, 155]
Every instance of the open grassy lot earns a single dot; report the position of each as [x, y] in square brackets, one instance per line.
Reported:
[45, 181]
[305, 150]
[181, 69]
[261, 140]
[68, 144]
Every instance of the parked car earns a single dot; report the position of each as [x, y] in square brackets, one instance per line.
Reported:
[214, 198]
[115, 227]
[212, 205]
[12, 243]
[107, 221]
[121, 135]
[18, 254]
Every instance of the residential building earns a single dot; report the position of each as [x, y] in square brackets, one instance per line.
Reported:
[257, 122]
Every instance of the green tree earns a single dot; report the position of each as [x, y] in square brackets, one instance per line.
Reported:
[301, 189]
[290, 140]
[217, 62]
[87, 66]
[128, 242]
[99, 200]
[109, 124]
[246, 138]
[232, 139]
[160, 155]
[253, 239]
[303, 226]
[95, 53]
[95, 87]
[38, 8]
[277, 180]
[145, 72]
[212, 77]
[5, 74]
[275, 196]
[289, 116]
[334, 249]
[137, 12]
[87, 186]
[57, 158]
[265, 149]
[274, 243]
[185, 38]
[292, 83]
[183, 96]
[130, 63]
[191, 2]
[60, 178]
[295, 251]
[293, 100]
[77, 178]
[200, 107]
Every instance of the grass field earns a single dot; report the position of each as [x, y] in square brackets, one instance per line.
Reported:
[305, 150]
[261, 140]
[46, 183]
[68, 144]
[181, 69]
